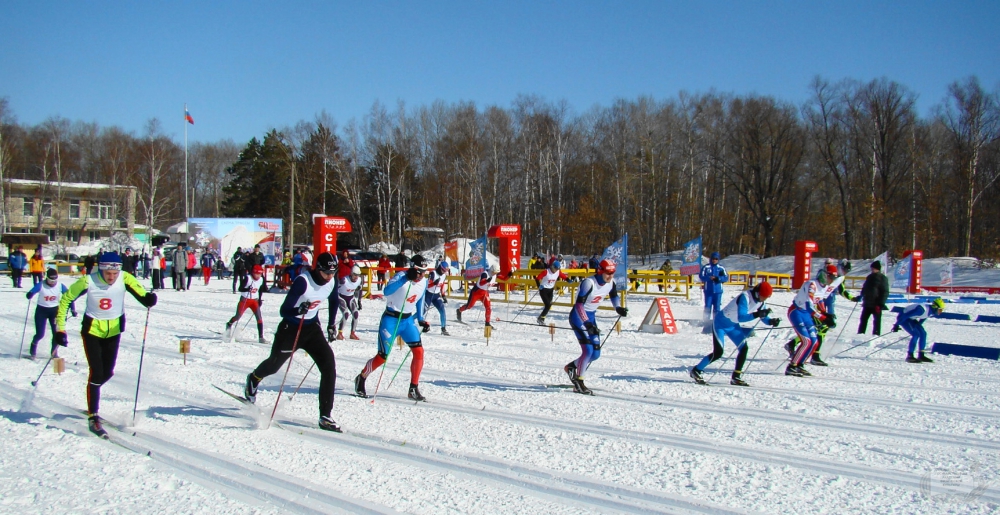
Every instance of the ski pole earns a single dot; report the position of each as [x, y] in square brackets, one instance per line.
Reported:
[835, 342]
[609, 331]
[525, 305]
[302, 381]
[138, 379]
[391, 340]
[766, 336]
[35, 382]
[400, 367]
[724, 360]
[24, 328]
[862, 343]
[295, 345]
[884, 347]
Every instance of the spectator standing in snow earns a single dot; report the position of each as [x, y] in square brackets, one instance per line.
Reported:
[713, 275]
[874, 294]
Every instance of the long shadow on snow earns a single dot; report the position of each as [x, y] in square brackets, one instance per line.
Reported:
[486, 386]
[159, 412]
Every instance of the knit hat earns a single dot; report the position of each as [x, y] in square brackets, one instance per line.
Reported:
[109, 261]
[876, 265]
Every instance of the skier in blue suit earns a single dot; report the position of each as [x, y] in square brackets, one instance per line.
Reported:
[713, 275]
[912, 320]
[737, 321]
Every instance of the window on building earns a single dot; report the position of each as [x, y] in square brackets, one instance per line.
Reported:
[74, 209]
[46, 208]
[93, 235]
[29, 207]
[73, 235]
[51, 233]
[100, 209]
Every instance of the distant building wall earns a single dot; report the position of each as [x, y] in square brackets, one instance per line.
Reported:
[70, 213]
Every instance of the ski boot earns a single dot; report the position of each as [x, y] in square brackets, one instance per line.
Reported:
[816, 360]
[414, 394]
[540, 320]
[488, 324]
[804, 372]
[911, 359]
[696, 375]
[354, 336]
[327, 424]
[924, 359]
[359, 387]
[95, 426]
[790, 348]
[458, 313]
[579, 387]
[793, 370]
[250, 389]
[261, 339]
[736, 380]
[340, 335]
[444, 331]
[570, 370]
[330, 335]
[227, 335]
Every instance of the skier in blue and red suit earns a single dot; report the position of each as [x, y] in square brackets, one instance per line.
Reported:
[584, 322]
[806, 305]
[713, 275]
[737, 322]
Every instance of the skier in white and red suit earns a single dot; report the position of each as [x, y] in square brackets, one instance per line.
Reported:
[251, 297]
[480, 292]
[583, 320]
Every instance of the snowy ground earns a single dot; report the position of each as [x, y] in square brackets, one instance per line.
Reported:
[871, 435]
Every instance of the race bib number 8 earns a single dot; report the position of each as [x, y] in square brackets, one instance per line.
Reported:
[105, 304]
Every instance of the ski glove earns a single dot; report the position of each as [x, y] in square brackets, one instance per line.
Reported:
[73, 313]
[303, 308]
[896, 328]
[715, 279]
[775, 322]
[621, 311]
[27, 296]
[330, 333]
[148, 300]
[426, 325]
[60, 338]
[856, 298]
[761, 313]
[591, 329]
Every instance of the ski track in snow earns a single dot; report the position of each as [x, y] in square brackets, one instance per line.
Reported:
[864, 435]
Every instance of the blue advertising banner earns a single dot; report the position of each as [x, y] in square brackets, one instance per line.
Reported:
[476, 264]
[691, 260]
[901, 274]
[224, 235]
[617, 253]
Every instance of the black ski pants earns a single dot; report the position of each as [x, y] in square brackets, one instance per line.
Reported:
[102, 354]
[871, 311]
[546, 296]
[741, 356]
[311, 340]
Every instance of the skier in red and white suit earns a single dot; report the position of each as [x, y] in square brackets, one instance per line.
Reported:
[251, 295]
[480, 292]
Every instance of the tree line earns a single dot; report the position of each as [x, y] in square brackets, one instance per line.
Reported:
[855, 168]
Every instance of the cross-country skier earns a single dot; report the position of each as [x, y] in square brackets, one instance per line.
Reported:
[826, 278]
[713, 275]
[103, 323]
[583, 320]
[546, 286]
[404, 302]
[49, 291]
[831, 274]
[347, 299]
[436, 284]
[251, 297]
[737, 321]
[912, 321]
[805, 306]
[300, 329]
[480, 292]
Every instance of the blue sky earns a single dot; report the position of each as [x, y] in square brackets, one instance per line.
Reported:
[246, 67]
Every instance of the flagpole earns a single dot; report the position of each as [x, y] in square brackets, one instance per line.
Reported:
[185, 165]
